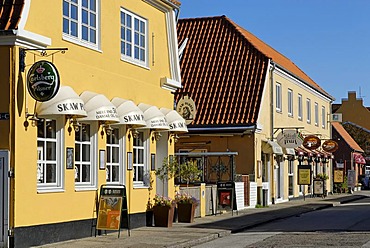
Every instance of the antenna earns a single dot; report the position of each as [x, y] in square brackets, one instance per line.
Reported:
[360, 94]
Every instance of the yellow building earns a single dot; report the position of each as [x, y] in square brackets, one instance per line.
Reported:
[115, 64]
[246, 94]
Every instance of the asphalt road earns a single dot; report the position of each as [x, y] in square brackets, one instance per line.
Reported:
[347, 225]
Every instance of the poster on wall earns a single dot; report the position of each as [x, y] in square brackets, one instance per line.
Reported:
[338, 176]
[109, 217]
[304, 175]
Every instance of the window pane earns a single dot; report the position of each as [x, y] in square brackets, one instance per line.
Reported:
[93, 5]
[85, 33]
[128, 35]
[136, 38]
[108, 154]
[51, 148]
[65, 8]
[128, 23]
[92, 20]
[128, 50]
[85, 173]
[65, 26]
[74, 30]
[40, 129]
[136, 53]
[50, 173]
[123, 33]
[115, 134]
[122, 48]
[140, 173]
[85, 153]
[51, 129]
[74, 14]
[136, 24]
[142, 27]
[123, 18]
[85, 3]
[141, 156]
[115, 155]
[77, 152]
[86, 133]
[142, 41]
[142, 54]
[115, 174]
[85, 19]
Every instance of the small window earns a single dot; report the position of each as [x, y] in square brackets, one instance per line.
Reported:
[114, 165]
[85, 168]
[80, 22]
[316, 114]
[49, 155]
[323, 117]
[140, 157]
[290, 102]
[133, 38]
[308, 104]
[278, 97]
[300, 107]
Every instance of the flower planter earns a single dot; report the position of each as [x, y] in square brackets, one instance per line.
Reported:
[163, 216]
[185, 212]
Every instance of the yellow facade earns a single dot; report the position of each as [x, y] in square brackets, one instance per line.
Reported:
[97, 69]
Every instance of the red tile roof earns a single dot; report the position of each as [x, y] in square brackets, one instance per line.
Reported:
[10, 13]
[223, 67]
[346, 137]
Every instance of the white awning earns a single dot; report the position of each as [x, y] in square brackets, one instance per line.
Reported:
[128, 112]
[65, 102]
[174, 120]
[98, 108]
[154, 118]
[272, 147]
[289, 151]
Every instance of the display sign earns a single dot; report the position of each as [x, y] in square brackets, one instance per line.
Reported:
[225, 195]
[304, 175]
[338, 176]
[311, 142]
[4, 116]
[186, 108]
[318, 187]
[351, 178]
[43, 81]
[290, 139]
[330, 146]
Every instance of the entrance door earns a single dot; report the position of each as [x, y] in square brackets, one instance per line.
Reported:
[4, 164]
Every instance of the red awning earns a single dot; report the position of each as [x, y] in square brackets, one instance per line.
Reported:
[359, 159]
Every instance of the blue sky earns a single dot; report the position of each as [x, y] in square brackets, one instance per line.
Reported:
[328, 39]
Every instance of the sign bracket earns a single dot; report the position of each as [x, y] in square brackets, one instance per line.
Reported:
[43, 52]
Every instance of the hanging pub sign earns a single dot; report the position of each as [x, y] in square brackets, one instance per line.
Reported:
[186, 108]
[311, 142]
[290, 139]
[330, 146]
[43, 81]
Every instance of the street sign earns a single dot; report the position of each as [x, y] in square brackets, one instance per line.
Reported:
[4, 116]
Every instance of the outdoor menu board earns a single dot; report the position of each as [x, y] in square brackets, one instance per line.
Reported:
[112, 207]
[304, 175]
[338, 176]
[318, 187]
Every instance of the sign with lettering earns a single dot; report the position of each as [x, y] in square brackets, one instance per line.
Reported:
[311, 142]
[338, 176]
[186, 108]
[159, 123]
[330, 146]
[290, 139]
[104, 113]
[4, 116]
[43, 81]
[304, 175]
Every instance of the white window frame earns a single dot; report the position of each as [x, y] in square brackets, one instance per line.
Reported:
[92, 185]
[300, 107]
[58, 185]
[78, 39]
[146, 150]
[121, 158]
[323, 117]
[316, 114]
[290, 102]
[308, 107]
[278, 100]
[131, 58]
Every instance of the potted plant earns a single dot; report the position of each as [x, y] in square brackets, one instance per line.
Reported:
[164, 207]
[186, 203]
[163, 210]
[149, 205]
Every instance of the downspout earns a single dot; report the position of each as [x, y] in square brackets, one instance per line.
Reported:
[272, 69]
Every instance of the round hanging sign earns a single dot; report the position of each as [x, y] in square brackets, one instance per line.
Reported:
[330, 146]
[311, 142]
[43, 81]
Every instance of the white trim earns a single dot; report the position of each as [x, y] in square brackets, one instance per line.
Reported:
[169, 84]
[24, 15]
[25, 39]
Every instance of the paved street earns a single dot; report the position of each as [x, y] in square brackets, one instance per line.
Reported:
[215, 227]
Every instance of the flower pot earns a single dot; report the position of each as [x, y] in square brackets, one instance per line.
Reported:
[163, 216]
[185, 212]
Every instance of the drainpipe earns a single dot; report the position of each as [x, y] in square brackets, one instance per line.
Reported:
[272, 69]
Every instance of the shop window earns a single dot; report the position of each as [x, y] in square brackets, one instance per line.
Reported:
[84, 150]
[49, 164]
[113, 170]
[133, 38]
[140, 157]
[80, 22]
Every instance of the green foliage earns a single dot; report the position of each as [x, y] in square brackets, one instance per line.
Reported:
[189, 171]
[322, 176]
[163, 201]
[167, 170]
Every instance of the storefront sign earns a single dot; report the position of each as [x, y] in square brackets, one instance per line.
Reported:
[304, 175]
[290, 139]
[338, 176]
[43, 81]
[318, 187]
[70, 105]
[4, 116]
[330, 146]
[311, 142]
[186, 108]
[158, 123]
[133, 118]
[106, 113]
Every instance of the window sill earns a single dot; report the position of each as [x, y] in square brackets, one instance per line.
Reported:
[85, 188]
[80, 43]
[133, 62]
[49, 190]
